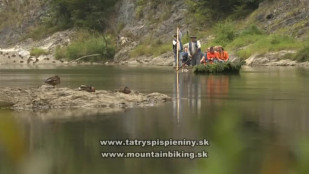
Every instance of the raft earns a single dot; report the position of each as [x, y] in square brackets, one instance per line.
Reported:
[218, 68]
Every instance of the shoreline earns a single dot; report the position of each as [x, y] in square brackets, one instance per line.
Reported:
[134, 62]
[14, 57]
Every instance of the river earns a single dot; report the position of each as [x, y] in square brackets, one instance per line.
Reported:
[255, 122]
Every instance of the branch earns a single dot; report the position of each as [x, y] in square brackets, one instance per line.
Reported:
[83, 57]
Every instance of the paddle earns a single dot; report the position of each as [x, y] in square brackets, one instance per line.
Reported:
[183, 65]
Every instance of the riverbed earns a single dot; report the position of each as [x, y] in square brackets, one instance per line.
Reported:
[255, 122]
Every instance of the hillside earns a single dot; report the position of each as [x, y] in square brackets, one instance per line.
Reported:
[142, 29]
[288, 17]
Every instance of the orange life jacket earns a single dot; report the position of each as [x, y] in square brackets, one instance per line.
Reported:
[211, 55]
[223, 56]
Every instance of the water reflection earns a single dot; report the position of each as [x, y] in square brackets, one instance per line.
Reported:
[256, 122]
[189, 92]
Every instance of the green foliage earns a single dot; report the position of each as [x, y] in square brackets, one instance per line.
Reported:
[265, 43]
[185, 39]
[225, 33]
[139, 8]
[140, 2]
[228, 147]
[248, 36]
[288, 56]
[12, 12]
[251, 40]
[207, 11]
[302, 155]
[88, 44]
[36, 52]
[215, 68]
[139, 12]
[151, 47]
[252, 30]
[150, 50]
[42, 31]
[303, 54]
[81, 13]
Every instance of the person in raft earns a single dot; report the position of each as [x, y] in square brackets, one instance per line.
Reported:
[194, 51]
[204, 59]
[222, 55]
[186, 61]
[212, 56]
[179, 48]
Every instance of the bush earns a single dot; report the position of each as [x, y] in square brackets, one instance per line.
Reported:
[151, 47]
[150, 50]
[60, 53]
[36, 52]
[227, 67]
[252, 30]
[225, 33]
[139, 12]
[303, 54]
[88, 44]
[81, 13]
[207, 11]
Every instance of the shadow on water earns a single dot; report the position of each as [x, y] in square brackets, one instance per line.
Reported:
[256, 123]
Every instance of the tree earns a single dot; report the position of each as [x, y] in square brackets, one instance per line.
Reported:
[213, 10]
[82, 13]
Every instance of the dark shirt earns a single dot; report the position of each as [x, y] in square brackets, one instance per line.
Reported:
[185, 58]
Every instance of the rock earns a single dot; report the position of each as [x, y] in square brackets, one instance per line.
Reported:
[133, 62]
[269, 16]
[23, 53]
[303, 64]
[87, 88]
[5, 104]
[271, 59]
[283, 63]
[158, 24]
[44, 97]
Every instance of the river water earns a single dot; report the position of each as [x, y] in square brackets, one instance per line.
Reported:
[255, 122]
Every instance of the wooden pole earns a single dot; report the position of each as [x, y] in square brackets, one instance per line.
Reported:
[178, 97]
[177, 48]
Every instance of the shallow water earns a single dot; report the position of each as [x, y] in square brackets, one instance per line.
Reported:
[256, 122]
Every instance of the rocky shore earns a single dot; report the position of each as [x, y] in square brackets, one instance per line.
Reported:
[268, 59]
[167, 59]
[20, 55]
[46, 98]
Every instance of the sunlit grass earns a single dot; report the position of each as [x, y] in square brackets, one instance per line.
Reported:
[36, 52]
[150, 47]
[263, 44]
